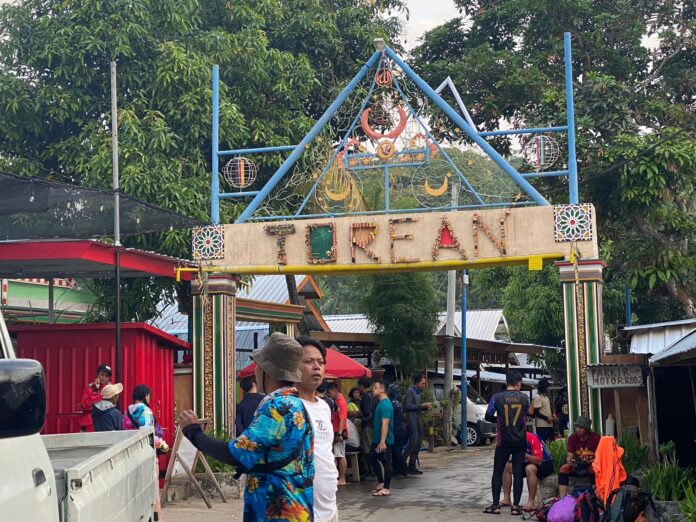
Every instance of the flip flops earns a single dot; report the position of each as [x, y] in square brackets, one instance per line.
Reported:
[381, 493]
[516, 511]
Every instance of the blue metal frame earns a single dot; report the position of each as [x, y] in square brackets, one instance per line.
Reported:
[472, 133]
[464, 383]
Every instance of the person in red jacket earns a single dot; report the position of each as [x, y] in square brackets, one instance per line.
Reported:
[92, 394]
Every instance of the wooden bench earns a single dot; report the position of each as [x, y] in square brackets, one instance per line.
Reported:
[353, 471]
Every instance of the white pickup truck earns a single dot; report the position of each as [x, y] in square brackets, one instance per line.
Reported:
[108, 476]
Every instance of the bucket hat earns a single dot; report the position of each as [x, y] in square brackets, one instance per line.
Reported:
[111, 390]
[583, 422]
[280, 358]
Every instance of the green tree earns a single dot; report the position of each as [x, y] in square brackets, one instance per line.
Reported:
[281, 63]
[404, 310]
[635, 123]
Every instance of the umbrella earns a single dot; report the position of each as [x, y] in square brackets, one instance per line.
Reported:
[338, 366]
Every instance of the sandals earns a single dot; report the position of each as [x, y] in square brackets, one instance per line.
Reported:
[493, 509]
[377, 489]
[516, 511]
[381, 493]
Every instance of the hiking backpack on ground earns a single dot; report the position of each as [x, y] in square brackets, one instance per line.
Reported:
[587, 508]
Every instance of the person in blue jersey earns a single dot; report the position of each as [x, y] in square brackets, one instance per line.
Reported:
[538, 465]
[276, 450]
[509, 410]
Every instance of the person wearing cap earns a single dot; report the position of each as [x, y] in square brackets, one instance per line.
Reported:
[105, 415]
[276, 451]
[91, 395]
[582, 446]
[540, 409]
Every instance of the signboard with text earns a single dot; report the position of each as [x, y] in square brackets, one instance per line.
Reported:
[394, 242]
[615, 377]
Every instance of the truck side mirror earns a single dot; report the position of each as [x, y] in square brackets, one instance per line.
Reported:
[22, 397]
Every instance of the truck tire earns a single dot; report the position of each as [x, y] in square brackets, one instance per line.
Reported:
[473, 435]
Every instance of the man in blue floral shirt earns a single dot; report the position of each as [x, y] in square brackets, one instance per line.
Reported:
[276, 449]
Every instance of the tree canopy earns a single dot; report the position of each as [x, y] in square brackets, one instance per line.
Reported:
[281, 63]
[404, 311]
[634, 76]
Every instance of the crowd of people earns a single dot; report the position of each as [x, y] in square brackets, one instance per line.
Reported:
[293, 448]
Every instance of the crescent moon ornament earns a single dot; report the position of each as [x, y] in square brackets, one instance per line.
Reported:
[394, 133]
[440, 190]
[337, 196]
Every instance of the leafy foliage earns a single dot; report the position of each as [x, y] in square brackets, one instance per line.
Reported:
[281, 64]
[559, 451]
[635, 123]
[635, 454]
[404, 310]
[667, 480]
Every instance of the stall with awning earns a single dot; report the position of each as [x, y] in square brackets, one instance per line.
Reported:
[338, 366]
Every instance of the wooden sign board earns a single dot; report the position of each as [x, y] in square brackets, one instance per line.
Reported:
[401, 242]
[183, 462]
[615, 376]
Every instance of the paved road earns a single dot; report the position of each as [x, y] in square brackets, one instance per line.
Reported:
[455, 486]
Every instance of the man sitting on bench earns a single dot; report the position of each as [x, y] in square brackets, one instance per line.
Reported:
[538, 465]
[581, 453]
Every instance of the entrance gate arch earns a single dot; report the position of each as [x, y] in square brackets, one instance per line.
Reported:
[392, 178]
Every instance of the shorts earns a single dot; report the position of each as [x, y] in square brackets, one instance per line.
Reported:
[545, 469]
[339, 449]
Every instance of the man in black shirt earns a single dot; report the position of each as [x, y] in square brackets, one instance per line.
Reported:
[247, 406]
[509, 410]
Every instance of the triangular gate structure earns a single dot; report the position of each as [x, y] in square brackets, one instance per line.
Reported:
[385, 145]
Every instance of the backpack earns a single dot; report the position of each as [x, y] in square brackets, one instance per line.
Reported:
[541, 512]
[587, 508]
[626, 503]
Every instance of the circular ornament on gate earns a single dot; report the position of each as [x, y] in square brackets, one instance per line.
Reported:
[385, 150]
[541, 151]
[240, 172]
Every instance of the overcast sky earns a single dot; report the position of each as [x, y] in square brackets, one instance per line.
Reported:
[426, 14]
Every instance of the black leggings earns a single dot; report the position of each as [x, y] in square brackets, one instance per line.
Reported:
[502, 455]
[382, 461]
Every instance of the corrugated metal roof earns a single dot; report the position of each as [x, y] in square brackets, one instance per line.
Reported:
[485, 325]
[684, 345]
[485, 376]
[170, 319]
[660, 336]
[659, 325]
[269, 288]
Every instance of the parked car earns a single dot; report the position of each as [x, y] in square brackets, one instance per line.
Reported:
[478, 430]
[108, 476]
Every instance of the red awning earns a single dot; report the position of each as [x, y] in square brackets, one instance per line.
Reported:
[83, 258]
[338, 366]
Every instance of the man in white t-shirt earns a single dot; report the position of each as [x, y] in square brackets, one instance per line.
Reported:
[312, 367]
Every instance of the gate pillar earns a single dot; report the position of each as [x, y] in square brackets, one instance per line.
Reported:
[584, 335]
[214, 368]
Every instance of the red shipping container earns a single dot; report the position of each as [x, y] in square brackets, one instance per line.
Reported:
[70, 355]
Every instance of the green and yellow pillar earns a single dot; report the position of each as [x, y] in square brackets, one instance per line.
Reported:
[584, 334]
[214, 368]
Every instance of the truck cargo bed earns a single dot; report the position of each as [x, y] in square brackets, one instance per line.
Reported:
[107, 476]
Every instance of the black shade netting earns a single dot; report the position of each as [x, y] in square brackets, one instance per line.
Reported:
[33, 208]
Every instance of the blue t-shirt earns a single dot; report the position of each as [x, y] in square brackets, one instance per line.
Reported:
[384, 410]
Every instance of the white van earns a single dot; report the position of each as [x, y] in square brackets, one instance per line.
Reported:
[77, 477]
[479, 430]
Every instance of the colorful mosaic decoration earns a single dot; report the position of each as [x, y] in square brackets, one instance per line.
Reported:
[572, 222]
[321, 243]
[447, 239]
[208, 242]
